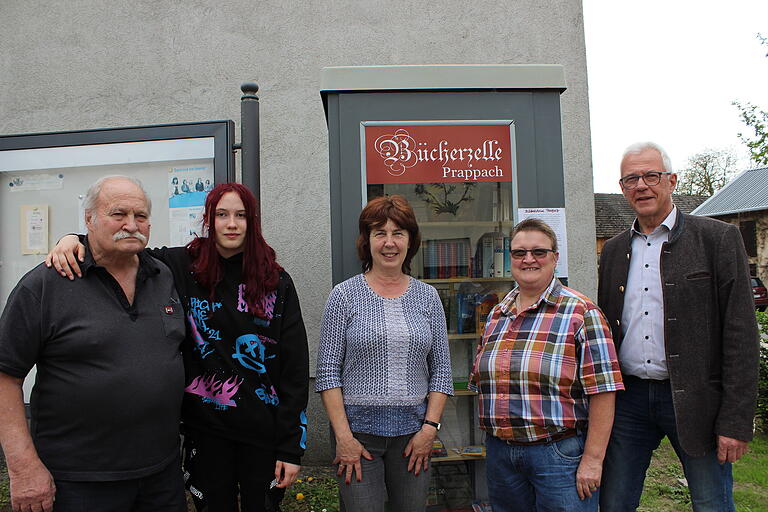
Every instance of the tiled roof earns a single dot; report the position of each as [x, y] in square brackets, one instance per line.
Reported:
[747, 192]
[613, 214]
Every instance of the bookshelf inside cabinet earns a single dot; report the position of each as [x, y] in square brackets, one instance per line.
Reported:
[464, 254]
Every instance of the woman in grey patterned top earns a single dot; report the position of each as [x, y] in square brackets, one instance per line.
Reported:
[383, 367]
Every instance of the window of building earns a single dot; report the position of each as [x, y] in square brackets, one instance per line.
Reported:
[748, 233]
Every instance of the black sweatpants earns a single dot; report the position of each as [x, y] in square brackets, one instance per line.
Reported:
[220, 469]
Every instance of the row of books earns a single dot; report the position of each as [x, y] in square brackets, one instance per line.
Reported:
[447, 258]
[439, 450]
[466, 313]
[451, 257]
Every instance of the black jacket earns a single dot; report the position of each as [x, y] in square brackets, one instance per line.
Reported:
[710, 332]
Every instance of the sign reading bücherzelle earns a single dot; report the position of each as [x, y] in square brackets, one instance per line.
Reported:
[438, 151]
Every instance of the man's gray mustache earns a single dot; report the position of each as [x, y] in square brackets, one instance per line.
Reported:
[125, 234]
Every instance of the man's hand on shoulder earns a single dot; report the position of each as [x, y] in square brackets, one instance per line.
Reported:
[32, 487]
[730, 449]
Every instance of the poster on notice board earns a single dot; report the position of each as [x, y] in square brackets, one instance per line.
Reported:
[187, 189]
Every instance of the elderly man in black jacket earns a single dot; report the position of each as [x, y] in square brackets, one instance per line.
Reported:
[676, 291]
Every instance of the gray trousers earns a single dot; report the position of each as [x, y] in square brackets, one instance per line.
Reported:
[385, 476]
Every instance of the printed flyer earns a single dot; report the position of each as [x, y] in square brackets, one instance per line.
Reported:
[187, 189]
[555, 217]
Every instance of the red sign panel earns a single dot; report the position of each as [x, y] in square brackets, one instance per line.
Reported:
[438, 153]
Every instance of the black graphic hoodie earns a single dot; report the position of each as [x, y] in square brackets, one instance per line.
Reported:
[247, 378]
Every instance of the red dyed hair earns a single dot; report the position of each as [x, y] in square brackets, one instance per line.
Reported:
[261, 272]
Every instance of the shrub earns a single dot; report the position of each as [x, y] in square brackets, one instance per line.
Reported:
[762, 388]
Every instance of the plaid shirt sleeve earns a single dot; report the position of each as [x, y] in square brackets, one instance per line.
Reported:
[600, 371]
[473, 383]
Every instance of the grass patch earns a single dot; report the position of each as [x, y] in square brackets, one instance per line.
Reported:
[315, 490]
[750, 476]
[664, 493]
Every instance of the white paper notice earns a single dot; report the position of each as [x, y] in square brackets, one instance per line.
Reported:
[34, 229]
[25, 182]
[555, 218]
[185, 224]
[80, 214]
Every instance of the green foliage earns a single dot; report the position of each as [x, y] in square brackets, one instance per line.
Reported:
[762, 386]
[757, 120]
[5, 490]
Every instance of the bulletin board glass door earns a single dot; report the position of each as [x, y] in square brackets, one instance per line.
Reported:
[44, 177]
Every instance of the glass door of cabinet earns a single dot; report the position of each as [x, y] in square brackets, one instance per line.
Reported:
[460, 179]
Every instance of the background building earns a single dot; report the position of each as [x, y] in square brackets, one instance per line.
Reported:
[743, 202]
[82, 64]
[613, 214]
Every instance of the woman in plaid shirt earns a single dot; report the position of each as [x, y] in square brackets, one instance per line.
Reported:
[546, 372]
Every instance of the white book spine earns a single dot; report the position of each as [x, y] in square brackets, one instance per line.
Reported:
[498, 255]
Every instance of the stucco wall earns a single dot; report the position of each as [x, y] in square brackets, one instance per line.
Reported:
[94, 64]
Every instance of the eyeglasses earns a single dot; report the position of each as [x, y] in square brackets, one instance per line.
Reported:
[650, 178]
[519, 254]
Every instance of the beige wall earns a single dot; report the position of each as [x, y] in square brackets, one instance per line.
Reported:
[84, 64]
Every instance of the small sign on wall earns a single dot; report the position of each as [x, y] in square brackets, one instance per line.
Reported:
[34, 228]
[555, 218]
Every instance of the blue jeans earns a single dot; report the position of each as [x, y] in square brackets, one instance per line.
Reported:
[644, 415]
[386, 476]
[538, 478]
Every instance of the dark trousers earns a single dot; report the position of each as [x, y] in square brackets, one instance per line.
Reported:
[159, 492]
[644, 415]
[385, 478]
[221, 469]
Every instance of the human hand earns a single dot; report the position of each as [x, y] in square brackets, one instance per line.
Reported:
[62, 256]
[32, 488]
[286, 473]
[348, 453]
[588, 476]
[418, 449]
[730, 449]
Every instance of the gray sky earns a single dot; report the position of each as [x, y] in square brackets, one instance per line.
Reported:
[667, 71]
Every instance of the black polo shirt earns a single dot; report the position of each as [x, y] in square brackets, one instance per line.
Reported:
[107, 397]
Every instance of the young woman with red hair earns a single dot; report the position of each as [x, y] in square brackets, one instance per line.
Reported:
[245, 355]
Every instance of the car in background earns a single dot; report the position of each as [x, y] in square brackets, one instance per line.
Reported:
[760, 294]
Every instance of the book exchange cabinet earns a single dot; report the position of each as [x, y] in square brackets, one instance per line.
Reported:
[474, 149]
